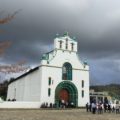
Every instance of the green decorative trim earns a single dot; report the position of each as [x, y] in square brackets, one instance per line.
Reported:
[85, 63]
[65, 33]
[45, 57]
[74, 38]
[71, 88]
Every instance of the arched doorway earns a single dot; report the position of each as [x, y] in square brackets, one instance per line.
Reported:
[66, 91]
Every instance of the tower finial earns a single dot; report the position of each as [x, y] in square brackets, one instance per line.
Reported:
[65, 33]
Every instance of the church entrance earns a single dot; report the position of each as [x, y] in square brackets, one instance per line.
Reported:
[66, 93]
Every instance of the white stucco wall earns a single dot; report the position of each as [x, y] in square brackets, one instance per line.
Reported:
[26, 88]
[17, 104]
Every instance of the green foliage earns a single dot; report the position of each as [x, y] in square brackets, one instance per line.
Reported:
[3, 89]
[112, 89]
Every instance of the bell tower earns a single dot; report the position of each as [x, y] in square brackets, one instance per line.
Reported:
[65, 43]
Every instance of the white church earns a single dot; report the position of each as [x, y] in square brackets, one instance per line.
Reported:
[61, 76]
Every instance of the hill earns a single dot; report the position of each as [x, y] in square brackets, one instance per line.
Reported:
[112, 89]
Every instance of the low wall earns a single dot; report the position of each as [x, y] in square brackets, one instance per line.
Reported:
[17, 104]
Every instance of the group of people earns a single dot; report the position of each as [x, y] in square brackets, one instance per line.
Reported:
[66, 104]
[11, 99]
[102, 107]
[60, 104]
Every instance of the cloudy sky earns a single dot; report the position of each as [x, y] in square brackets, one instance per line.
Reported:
[95, 23]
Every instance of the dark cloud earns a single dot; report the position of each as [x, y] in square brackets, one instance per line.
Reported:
[95, 23]
[107, 70]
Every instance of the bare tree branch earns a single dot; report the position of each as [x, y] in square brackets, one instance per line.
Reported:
[14, 68]
[8, 18]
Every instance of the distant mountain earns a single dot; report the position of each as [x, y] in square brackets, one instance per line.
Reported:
[112, 89]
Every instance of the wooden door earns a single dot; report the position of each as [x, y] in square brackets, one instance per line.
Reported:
[64, 95]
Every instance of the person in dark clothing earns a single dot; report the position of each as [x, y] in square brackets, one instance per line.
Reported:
[109, 108]
[87, 107]
[90, 107]
[105, 107]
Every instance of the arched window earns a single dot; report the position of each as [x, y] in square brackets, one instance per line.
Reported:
[82, 83]
[82, 93]
[49, 81]
[49, 91]
[67, 71]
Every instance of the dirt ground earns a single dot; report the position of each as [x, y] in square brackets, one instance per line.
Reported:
[72, 114]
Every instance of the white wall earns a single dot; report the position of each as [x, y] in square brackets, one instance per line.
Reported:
[20, 104]
[26, 88]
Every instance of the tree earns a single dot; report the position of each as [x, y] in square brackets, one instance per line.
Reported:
[4, 45]
[3, 89]
[8, 18]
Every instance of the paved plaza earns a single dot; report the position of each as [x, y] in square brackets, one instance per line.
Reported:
[69, 114]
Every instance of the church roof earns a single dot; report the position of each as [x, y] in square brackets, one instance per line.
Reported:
[23, 75]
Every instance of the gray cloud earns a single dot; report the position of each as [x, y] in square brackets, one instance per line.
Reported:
[95, 23]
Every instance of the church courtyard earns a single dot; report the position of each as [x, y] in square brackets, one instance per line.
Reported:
[70, 114]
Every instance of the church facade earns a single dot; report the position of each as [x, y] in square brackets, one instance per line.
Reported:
[61, 76]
